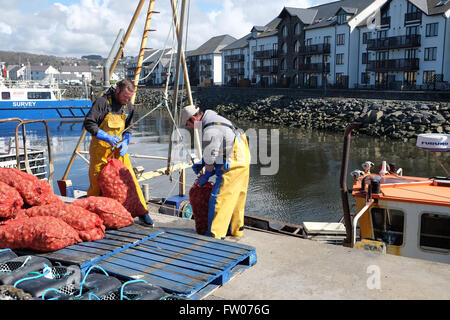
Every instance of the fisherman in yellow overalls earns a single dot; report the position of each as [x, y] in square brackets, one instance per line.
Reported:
[226, 154]
[109, 115]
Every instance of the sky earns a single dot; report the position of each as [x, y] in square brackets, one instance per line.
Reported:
[73, 28]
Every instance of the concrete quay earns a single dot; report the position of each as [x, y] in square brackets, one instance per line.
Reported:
[290, 268]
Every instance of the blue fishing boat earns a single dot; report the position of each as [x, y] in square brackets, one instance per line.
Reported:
[31, 101]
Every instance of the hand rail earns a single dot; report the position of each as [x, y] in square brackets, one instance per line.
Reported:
[355, 220]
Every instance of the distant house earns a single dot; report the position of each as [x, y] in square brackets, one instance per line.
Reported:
[15, 72]
[38, 73]
[82, 73]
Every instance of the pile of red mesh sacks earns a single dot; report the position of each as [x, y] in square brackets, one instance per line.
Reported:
[33, 217]
[199, 199]
[116, 182]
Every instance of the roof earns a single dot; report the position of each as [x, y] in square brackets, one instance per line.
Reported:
[431, 7]
[213, 45]
[75, 69]
[268, 30]
[238, 44]
[305, 15]
[326, 12]
[410, 189]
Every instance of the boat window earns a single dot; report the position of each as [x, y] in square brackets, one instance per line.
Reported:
[435, 232]
[388, 225]
[39, 95]
[6, 96]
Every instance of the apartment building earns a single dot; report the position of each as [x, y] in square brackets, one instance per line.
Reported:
[394, 44]
[207, 60]
[407, 45]
[236, 60]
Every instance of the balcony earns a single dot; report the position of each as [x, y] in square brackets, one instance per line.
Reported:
[206, 73]
[322, 48]
[393, 65]
[385, 22]
[206, 62]
[413, 17]
[266, 54]
[397, 42]
[235, 71]
[234, 58]
[266, 69]
[314, 68]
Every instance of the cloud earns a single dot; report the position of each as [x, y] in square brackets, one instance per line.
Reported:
[84, 27]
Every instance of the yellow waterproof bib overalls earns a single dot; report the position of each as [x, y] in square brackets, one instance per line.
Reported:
[229, 193]
[100, 151]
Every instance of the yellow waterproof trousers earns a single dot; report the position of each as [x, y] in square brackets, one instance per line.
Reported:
[228, 196]
[100, 151]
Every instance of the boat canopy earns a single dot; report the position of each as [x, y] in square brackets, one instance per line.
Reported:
[436, 142]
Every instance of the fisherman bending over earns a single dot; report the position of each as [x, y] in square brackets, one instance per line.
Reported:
[225, 154]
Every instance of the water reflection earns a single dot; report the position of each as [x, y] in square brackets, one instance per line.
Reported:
[305, 188]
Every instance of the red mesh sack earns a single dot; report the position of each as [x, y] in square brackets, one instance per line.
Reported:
[199, 199]
[113, 214]
[88, 225]
[116, 182]
[34, 191]
[10, 201]
[37, 233]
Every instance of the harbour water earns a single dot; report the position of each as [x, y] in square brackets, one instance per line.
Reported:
[304, 188]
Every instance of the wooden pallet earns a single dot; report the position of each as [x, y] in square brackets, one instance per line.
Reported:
[182, 263]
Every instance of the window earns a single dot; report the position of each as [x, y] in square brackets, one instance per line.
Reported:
[430, 54]
[412, 30]
[297, 29]
[388, 225]
[365, 37]
[296, 64]
[432, 29]
[39, 95]
[283, 64]
[284, 48]
[308, 41]
[410, 53]
[435, 232]
[411, 8]
[340, 58]
[382, 34]
[341, 18]
[365, 78]
[285, 31]
[364, 58]
[6, 96]
[327, 39]
[429, 76]
[297, 46]
[340, 39]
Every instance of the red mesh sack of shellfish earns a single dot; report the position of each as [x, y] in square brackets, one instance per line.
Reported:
[37, 233]
[10, 201]
[35, 192]
[116, 182]
[113, 214]
[199, 199]
[88, 225]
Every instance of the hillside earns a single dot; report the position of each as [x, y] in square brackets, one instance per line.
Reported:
[11, 58]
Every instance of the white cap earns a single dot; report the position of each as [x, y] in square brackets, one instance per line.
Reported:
[187, 112]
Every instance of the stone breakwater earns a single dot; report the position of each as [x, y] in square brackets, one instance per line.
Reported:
[394, 119]
[391, 119]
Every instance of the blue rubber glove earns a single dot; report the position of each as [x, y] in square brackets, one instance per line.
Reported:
[205, 177]
[123, 145]
[197, 167]
[112, 140]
